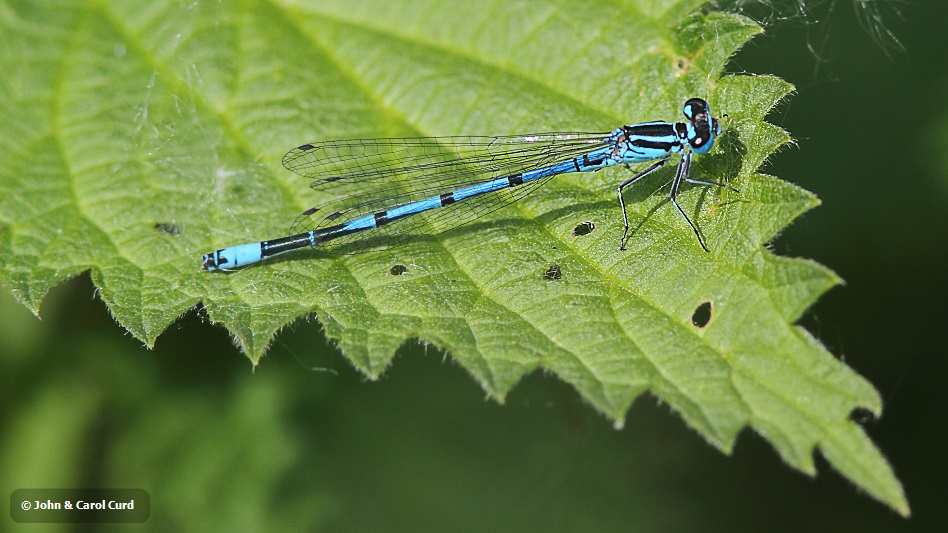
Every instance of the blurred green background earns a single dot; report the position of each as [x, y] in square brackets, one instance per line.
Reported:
[304, 442]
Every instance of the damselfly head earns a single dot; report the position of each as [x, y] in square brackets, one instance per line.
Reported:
[702, 127]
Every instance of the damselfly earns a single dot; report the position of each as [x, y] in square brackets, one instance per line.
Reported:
[383, 185]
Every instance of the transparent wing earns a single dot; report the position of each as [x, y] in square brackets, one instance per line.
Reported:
[367, 176]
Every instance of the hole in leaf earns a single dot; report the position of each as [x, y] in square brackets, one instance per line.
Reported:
[553, 273]
[168, 228]
[398, 270]
[583, 228]
[702, 315]
[862, 416]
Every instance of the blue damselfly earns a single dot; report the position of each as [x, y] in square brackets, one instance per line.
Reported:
[382, 185]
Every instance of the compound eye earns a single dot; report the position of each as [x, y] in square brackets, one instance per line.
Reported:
[693, 107]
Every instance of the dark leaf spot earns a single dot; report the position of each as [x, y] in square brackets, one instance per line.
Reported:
[584, 228]
[553, 273]
[168, 228]
[702, 315]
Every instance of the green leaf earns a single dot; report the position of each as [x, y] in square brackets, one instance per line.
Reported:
[138, 135]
